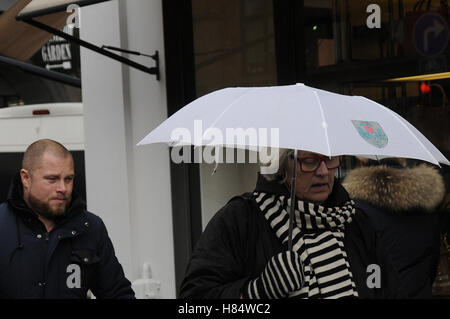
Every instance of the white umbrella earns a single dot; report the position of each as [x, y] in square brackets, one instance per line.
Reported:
[306, 119]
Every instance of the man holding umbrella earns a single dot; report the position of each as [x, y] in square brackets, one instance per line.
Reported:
[245, 252]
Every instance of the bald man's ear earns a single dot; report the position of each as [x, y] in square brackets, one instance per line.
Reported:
[25, 177]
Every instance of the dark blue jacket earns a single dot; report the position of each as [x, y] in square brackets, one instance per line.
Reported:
[401, 205]
[75, 256]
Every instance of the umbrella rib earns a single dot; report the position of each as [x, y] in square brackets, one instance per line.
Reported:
[407, 128]
[324, 122]
[227, 108]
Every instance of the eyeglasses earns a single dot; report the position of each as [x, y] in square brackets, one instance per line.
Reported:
[309, 164]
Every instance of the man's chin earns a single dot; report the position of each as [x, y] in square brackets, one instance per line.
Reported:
[57, 212]
[47, 210]
[53, 213]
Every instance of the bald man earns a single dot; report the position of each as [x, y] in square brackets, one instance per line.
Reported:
[51, 247]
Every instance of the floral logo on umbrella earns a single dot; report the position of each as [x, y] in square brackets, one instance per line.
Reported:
[371, 132]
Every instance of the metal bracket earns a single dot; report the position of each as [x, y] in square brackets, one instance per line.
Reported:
[90, 46]
[154, 56]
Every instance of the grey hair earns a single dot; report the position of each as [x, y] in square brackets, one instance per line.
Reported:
[282, 162]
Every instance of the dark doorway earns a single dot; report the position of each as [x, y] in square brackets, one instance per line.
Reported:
[215, 44]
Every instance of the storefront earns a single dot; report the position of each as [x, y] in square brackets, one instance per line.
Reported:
[155, 210]
[383, 50]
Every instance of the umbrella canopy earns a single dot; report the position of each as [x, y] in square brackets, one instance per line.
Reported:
[305, 118]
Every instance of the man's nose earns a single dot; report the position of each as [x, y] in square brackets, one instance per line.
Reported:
[61, 187]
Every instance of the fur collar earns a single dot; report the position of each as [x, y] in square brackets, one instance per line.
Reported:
[398, 189]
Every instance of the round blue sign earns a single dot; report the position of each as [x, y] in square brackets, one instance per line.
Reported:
[430, 34]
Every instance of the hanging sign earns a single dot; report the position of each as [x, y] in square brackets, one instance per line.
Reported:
[60, 55]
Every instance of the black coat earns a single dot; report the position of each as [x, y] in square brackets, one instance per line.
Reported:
[238, 242]
[75, 256]
[400, 204]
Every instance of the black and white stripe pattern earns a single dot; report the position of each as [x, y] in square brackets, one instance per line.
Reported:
[282, 275]
[317, 237]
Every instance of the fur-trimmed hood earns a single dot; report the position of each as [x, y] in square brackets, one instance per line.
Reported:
[398, 189]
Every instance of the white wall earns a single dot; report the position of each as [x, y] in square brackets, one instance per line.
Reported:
[129, 187]
[228, 181]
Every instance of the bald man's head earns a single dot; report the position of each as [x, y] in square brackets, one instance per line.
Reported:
[47, 179]
[34, 153]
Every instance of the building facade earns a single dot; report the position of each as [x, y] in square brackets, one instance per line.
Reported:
[155, 210]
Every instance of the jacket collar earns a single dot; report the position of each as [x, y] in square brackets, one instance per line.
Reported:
[337, 197]
[397, 189]
[16, 201]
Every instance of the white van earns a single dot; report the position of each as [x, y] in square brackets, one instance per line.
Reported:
[22, 125]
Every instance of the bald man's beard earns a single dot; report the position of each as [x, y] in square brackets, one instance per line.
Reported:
[45, 210]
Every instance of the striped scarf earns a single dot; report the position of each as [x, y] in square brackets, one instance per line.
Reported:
[318, 237]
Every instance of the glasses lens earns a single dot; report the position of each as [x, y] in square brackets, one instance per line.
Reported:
[334, 162]
[310, 164]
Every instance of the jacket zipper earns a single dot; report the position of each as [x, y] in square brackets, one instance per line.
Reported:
[46, 238]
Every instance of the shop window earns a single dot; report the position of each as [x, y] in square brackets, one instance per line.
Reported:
[344, 55]
[233, 44]
[338, 31]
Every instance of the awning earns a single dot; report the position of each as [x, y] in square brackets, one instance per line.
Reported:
[43, 72]
[21, 41]
[39, 8]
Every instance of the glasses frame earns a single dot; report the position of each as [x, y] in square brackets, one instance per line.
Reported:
[322, 158]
